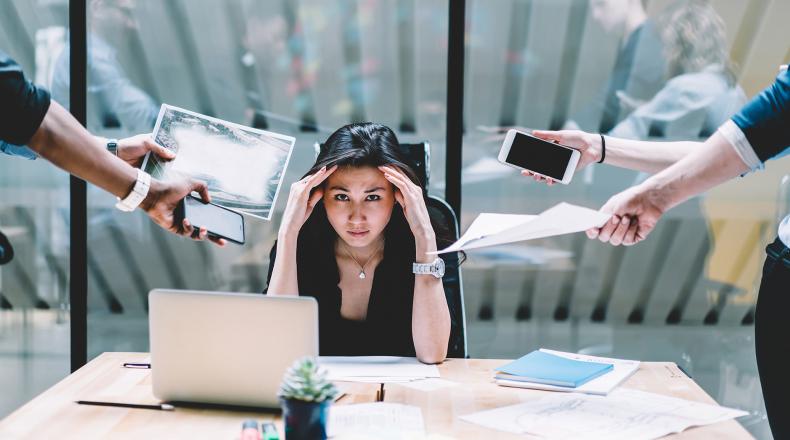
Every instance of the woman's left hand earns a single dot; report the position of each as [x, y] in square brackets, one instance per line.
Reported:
[409, 196]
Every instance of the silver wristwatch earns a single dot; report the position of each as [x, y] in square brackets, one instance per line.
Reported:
[436, 268]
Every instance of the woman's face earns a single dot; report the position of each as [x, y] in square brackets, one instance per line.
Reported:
[359, 204]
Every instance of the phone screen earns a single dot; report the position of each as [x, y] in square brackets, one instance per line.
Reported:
[539, 156]
[215, 219]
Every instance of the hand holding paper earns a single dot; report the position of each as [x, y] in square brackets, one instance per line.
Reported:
[494, 229]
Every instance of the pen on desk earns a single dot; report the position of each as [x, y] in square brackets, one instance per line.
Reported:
[161, 406]
[136, 365]
[340, 396]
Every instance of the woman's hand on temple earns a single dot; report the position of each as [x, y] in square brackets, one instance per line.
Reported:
[303, 197]
[410, 197]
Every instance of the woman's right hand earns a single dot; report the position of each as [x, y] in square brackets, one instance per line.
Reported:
[588, 144]
[303, 197]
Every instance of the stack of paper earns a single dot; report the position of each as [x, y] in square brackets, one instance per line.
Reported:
[625, 414]
[601, 385]
[376, 369]
[549, 369]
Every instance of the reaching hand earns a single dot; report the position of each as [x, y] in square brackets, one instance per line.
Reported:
[589, 145]
[410, 198]
[162, 200]
[133, 149]
[302, 199]
[635, 213]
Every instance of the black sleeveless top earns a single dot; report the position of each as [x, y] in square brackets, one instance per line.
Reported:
[386, 329]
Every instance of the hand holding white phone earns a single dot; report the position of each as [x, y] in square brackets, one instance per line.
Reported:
[523, 151]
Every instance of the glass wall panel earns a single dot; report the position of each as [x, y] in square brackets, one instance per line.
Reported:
[302, 68]
[34, 215]
[664, 71]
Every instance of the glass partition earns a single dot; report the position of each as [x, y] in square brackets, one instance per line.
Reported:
[34, 215]
[655, 70]
[301, 68]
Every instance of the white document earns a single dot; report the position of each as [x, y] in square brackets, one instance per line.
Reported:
[375, 420]
[624, 414]
[494, 229]
[242, 166]
[601, 385]
[378, 369]
[430, 384]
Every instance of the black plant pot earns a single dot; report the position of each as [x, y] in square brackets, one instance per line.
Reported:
[305, 420]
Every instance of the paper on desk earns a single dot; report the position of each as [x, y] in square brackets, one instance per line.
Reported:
[624, 414]
[601, 385]
[377, 369]
[430, 384]
[375, 420]
[493, 229]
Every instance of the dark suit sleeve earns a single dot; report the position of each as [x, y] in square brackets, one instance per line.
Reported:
[766, 118]
[22, 104]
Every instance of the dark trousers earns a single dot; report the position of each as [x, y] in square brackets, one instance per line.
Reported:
[772, 337]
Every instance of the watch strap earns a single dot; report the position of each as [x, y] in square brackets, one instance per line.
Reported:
[434, 268]
[112, 146]
[138, 193]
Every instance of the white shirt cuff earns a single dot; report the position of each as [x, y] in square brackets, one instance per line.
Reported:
[737, 139]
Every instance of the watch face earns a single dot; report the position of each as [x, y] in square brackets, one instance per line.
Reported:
[439, 265]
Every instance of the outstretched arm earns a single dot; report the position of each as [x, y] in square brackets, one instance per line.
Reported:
[637, 209]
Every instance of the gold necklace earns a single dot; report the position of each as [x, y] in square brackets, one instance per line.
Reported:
[362, 274]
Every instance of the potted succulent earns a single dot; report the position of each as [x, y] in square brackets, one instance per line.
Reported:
[305, 395]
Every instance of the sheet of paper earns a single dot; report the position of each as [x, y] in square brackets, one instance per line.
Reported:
[375, 420]
[431, 384]
[495, 229]
[242, 166]
[376, 368]
[624, 414]
[601, 385]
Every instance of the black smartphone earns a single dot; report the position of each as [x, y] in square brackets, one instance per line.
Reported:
[524, 151]
[220, 222]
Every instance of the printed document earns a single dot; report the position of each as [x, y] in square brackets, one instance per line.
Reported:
[376, 369]
[243, 166]
[494, 229]
[375, 420]
[624, 414]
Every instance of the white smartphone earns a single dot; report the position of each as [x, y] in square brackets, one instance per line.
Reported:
[524, 151]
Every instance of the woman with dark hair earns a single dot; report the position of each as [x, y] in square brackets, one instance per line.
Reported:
[356, 235]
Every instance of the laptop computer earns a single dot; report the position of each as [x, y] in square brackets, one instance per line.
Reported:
[227, 348]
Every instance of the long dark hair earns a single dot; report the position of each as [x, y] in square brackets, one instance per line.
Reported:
[370, 144]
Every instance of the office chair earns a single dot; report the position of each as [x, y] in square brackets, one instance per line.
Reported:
[6, 250]
[419, 155]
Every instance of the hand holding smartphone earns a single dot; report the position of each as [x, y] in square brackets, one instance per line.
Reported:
[523, 151]
[219, 221]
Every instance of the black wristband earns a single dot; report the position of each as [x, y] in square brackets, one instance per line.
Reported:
[603, 149]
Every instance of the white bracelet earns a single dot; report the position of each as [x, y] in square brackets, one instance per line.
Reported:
[138, 194]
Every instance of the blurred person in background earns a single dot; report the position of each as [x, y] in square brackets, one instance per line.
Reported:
[701, 92]
[639, 69]
[119, 102]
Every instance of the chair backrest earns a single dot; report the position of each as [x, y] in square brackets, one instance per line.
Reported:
[419, 154]
[444, 217]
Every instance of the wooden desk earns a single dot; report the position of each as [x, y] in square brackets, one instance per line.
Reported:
[53, 414]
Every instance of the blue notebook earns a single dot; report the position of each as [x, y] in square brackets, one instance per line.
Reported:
[547, 368]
